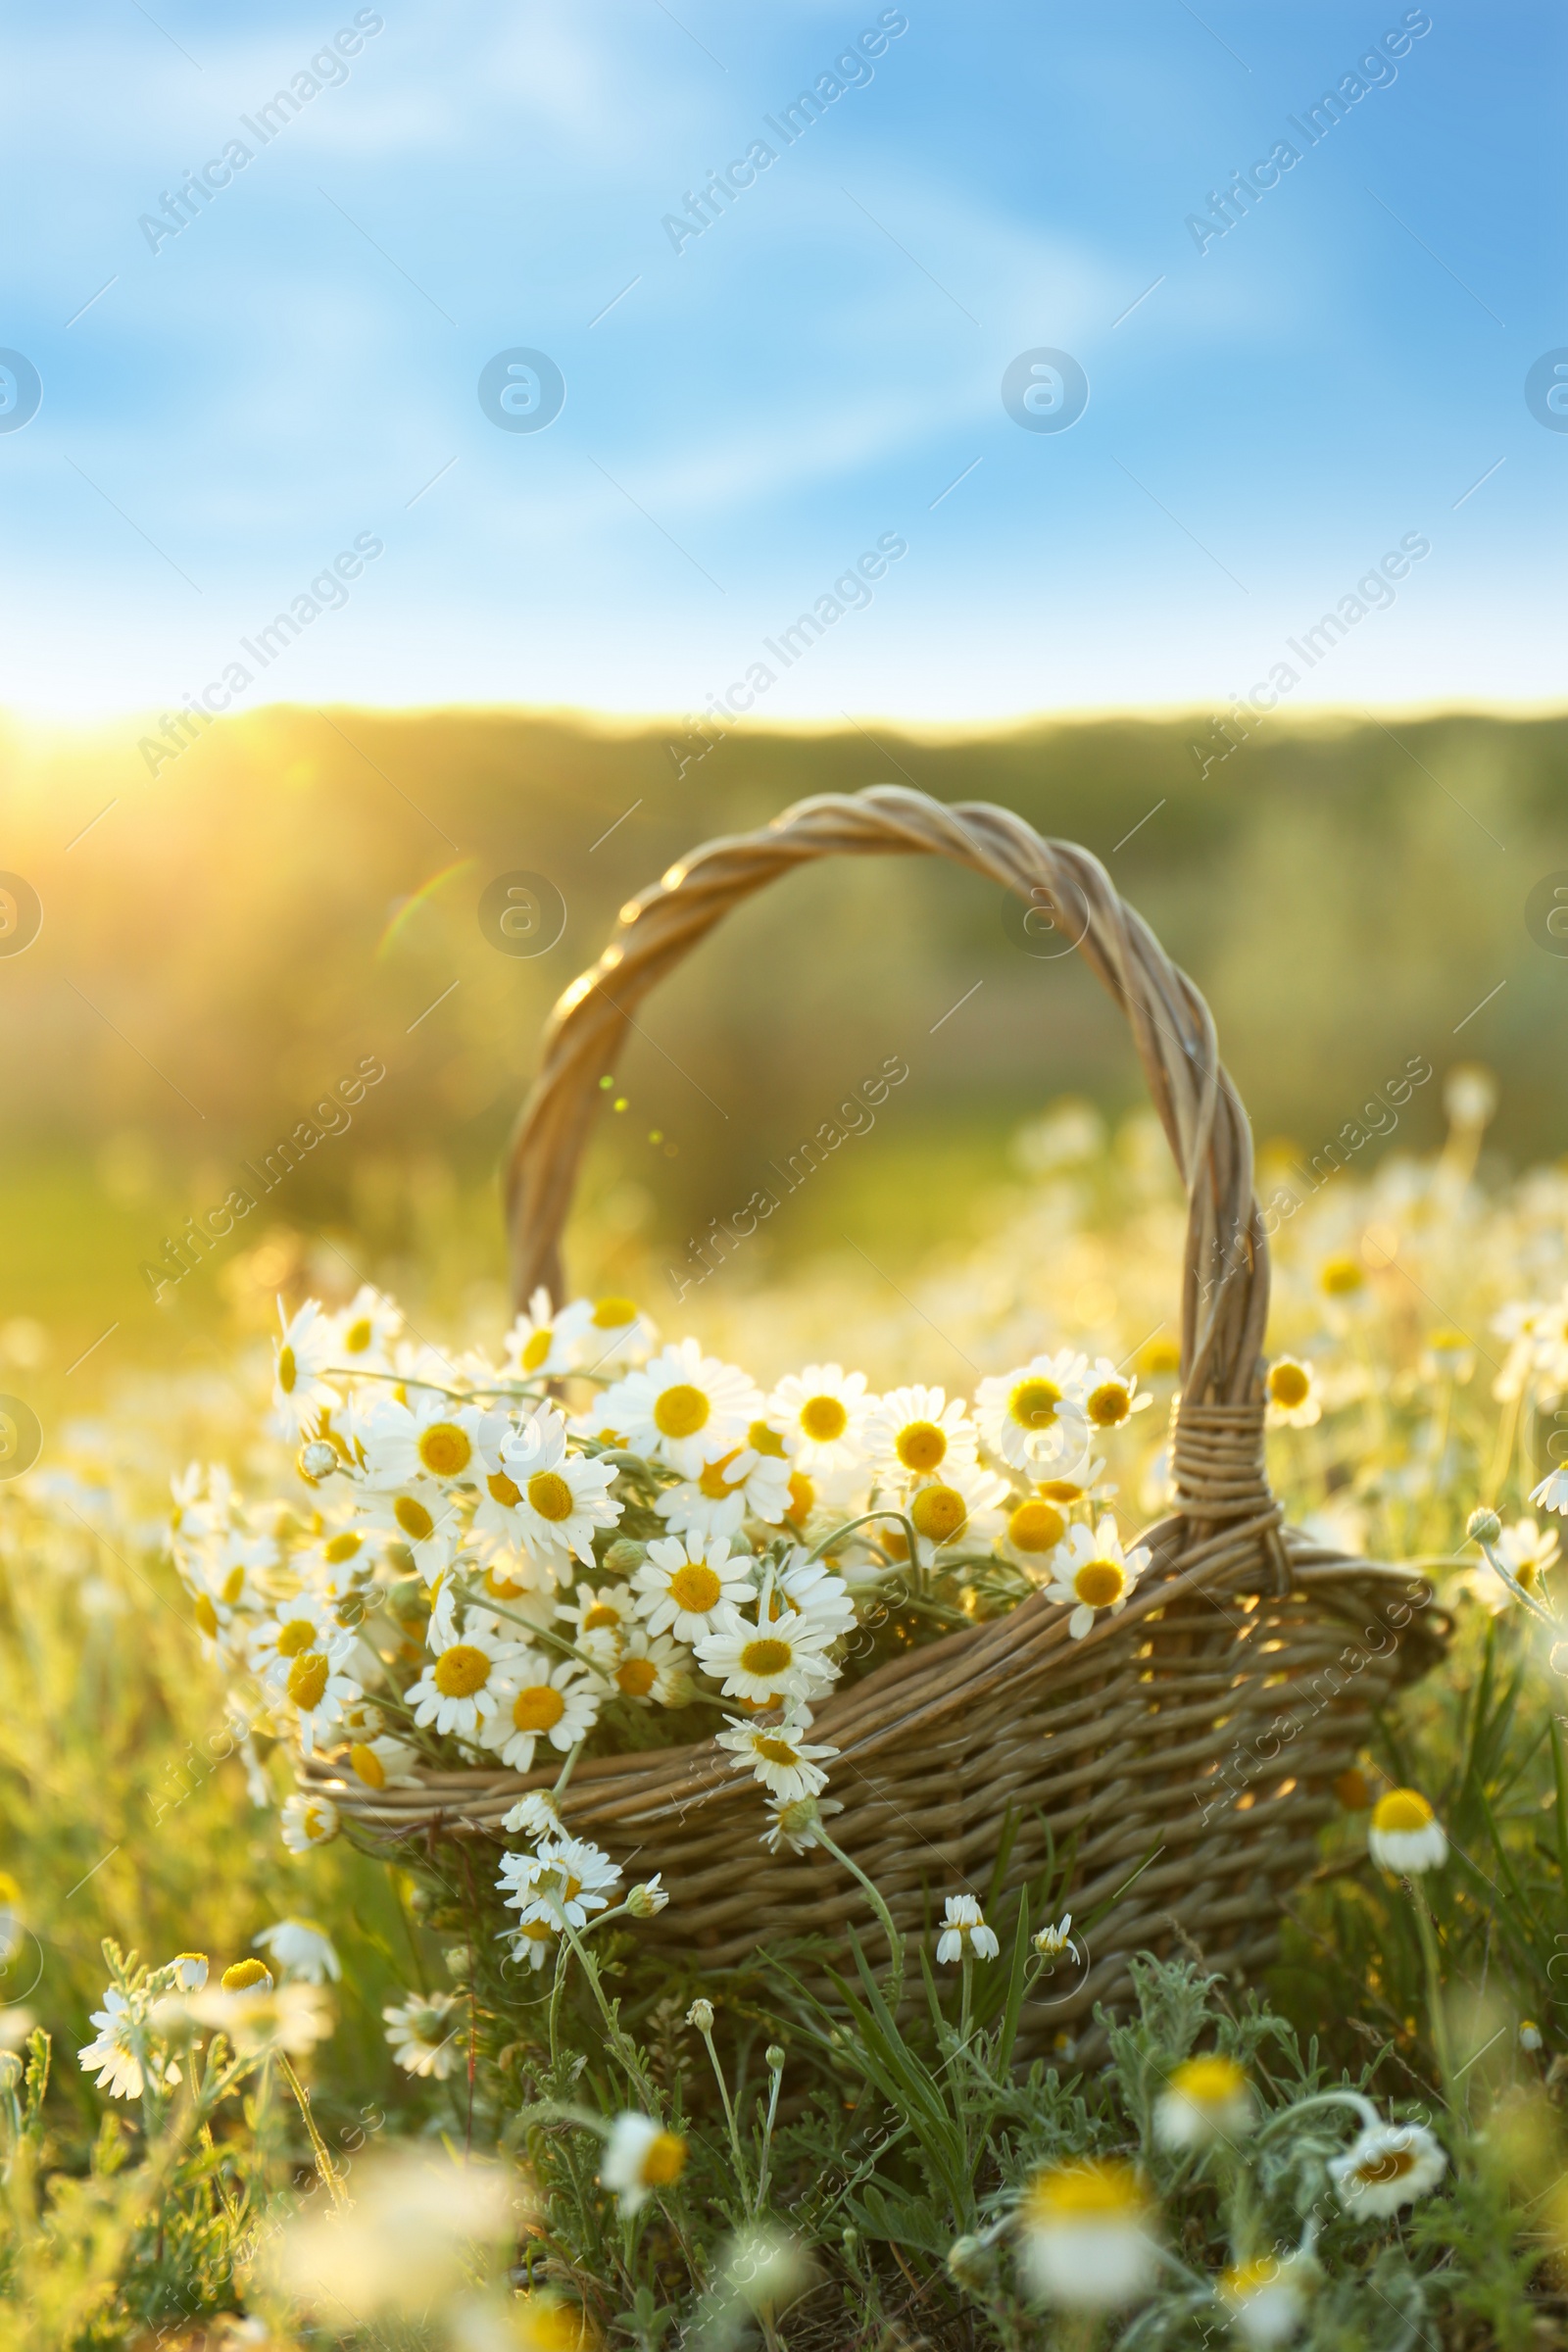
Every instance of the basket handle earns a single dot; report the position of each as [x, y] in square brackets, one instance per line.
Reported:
[1225, 1289]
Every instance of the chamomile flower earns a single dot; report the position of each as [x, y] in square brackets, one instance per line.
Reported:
[1552, 1493]
[1051, 1941]
[431, 1437]
[563, 1496]
[383, 1762]
[425, 2034]
[1036, 1526]
[741, 1485]
[1093, 1576]
[261, 2018]
[1207, 2098]
[964, 1933]
[308, 1822]
[650, 1668]
[779, 1754]
[1389, 2166]
[640, 2159]
[1110, 1396]
[462, 1688]
[820, 1413]
[427, 1524]
[302, 1948]
[956, 1510]
[917, 1433]
[567, 1878]
[305, 1621]
[301, 1355]
[547, 1699]
[760, 1657]
[1293, 1402]
[815, 1593]
[1527, 1552]
[120, 2058]
[535, 1815]
[1267, 2300]
[340, 1557]
[543, 1345]
[533, 1943]
[683, 1409]
[1034, 1417]
[366, 1329]
[684, 1583]
[319, 1693]
[1087, 2236]
[602, 1617]
[796, 1823]
[1405, 1835]
[615, 1329]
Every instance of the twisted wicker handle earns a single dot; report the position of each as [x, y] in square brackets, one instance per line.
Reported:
[1225, 1291]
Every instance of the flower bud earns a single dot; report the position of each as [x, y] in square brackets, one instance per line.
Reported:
[648, 1900]
[971, 2262]
[11, 2071]
[701, 2015]
[460, 1960]
[775, 2058]
[1484, 1526]
[622, 1555]
[318, 1460]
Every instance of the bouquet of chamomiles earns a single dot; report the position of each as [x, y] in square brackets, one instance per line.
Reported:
[603, 1543]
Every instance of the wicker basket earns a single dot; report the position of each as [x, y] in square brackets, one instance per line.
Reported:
[1183, 1751]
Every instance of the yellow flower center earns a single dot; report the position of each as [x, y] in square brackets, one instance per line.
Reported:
[233, 1585]
[920, 1445]
[445, 1450]
[823, 1420]
[539, 1708]
[503, 1489]
[695, 1588]
[207, 1616]
[1288, 1383]
[340, 1547]
[1073, 2192]
[460, 1671]
[306, 1680]
[613, 1314]
[601, 1614]
[245, 1974]
[550, 1496]
[1208, 2082]
[358, 1336]
[295, 1637]
[680, 1410]
[1033, 1403]
[1390, 2163]
[664, 2160]
[1401, 1809]
[938, 1512]
[288, 1370]
[1061, 1490]
[537, 1930]
[1098, 1583]
[1160, 1355]
[413, 1519]
[537, 1348]
[1108, 1404]
[765, 1658]
[774, 1752]
[1340, 1276]
[802, 1494]
[762, 1440]
[368, 1765]
[713, 1481]
[1037, 1527]
[636, 1676]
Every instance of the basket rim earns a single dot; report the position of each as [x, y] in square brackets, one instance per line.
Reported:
[956, 1668]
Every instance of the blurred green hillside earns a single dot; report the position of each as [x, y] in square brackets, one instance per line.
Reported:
[298, 893]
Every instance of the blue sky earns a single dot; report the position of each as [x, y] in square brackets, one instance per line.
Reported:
[820, 370]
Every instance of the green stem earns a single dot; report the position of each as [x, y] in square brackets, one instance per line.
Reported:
[895, 1940]
[729, 2119]
[1429, 1955]
[319, 2147]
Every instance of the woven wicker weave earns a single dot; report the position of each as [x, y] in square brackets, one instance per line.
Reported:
[1186, 1748]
